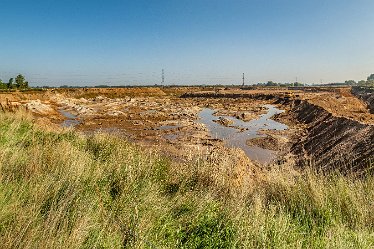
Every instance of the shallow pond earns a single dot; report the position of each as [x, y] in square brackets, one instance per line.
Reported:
[171, 137]
[71, 121]
[236, 138]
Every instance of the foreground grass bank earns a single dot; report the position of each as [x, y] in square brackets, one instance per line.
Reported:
[62, 190]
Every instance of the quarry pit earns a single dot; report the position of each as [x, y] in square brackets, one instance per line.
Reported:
[328, 128]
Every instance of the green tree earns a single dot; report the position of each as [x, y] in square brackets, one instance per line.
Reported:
[9, 85]
[361, 83]
[350, 82]
[370, 81]
[2, 85]
[298, 84]
[271, 83]
[21, 82]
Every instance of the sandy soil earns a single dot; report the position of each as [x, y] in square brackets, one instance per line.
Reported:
[160, 117]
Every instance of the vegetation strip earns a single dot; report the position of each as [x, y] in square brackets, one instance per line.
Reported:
[58, 189]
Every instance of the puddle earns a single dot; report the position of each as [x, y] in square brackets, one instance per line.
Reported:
[71, 121]
[235, 138]
[168, 127]
[67, 114]
[171, 137]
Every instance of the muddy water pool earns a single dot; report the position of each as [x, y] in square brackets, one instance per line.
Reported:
[71, 119]
[236, 135]
[168, 127]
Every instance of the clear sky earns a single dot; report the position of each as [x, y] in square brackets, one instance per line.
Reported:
[118, 42]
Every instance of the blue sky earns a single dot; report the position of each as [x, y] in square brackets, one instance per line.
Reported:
[196, 41]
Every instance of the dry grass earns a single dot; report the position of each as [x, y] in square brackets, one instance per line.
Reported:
[61, 190]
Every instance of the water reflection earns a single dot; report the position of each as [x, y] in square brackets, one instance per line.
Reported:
[236, 138]
[71, 121]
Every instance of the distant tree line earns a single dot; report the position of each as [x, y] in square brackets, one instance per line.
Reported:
[369, 82]
[18, 83]
[271, 83]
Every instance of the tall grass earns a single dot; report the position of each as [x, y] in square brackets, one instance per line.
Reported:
[63, 190]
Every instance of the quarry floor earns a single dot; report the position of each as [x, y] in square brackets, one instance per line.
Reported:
[161, 118]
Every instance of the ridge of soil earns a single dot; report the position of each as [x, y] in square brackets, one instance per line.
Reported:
[331, 142]
[366, 95]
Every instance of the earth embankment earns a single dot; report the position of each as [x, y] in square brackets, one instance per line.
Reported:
[365, 94]
[338, 128]
[332, 142]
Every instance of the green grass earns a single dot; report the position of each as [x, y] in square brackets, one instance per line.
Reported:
[63, 190]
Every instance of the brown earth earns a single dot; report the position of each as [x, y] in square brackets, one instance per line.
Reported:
[331, 142]
[338, 127]
[366, 95]
[147, 116]
[328, 127]
[338, 101]
[270, 142]
[343, 105]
